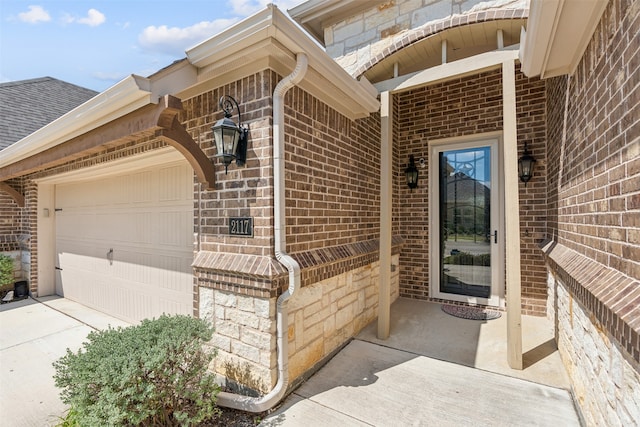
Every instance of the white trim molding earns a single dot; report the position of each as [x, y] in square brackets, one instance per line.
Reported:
[270, 39]
[557, 34]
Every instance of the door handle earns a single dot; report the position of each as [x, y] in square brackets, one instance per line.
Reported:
[110, 256]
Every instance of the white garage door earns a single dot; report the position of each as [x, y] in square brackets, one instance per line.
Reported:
[124, 243]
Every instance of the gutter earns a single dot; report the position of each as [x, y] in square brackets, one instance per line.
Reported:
[268, 401]
[237, 42]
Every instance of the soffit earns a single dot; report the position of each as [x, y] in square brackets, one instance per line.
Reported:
[270, 39]
[461, 42]
[558, 32]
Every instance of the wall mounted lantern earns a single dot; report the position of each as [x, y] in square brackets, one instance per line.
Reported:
[525, 165]
[230, 138]
[411, 173]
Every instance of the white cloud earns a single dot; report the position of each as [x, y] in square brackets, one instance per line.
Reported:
[34, 15]
[174, 40]
[93, 19]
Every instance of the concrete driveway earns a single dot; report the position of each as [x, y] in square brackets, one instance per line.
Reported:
[32, 336]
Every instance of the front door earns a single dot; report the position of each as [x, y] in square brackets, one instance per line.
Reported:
[466, 240]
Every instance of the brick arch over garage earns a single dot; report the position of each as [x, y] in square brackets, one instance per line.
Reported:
[433, 28]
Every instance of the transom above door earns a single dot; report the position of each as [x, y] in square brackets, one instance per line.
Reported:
[466, 249]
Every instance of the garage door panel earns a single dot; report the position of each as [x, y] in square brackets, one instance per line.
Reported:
[169, 176]
[146, 217]
[172, 236]
[68, 224]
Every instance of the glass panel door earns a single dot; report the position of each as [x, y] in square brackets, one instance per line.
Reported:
[467, 222]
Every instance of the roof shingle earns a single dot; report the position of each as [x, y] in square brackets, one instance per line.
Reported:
[28, 105]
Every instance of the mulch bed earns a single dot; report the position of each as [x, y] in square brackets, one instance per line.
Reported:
[234, 418]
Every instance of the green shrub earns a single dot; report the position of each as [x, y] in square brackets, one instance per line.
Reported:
[6, 270]
[152, 374]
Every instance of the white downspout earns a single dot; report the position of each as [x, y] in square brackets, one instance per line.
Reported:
[261, 404]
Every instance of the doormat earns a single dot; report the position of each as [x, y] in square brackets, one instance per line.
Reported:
[471, 313]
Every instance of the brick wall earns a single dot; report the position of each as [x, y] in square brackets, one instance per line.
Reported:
[242, 192]
[594, 217]
[598, 175]
[468, 106]
[13, 224]
[14, 231]
[332, 175]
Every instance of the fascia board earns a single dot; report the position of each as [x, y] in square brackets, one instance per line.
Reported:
[271, 23]
[173, 79]
[124, 97]
[233, 39]
[541, 26]
[292, 37]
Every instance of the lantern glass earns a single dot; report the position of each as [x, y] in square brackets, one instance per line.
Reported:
[226, 134]
[525, 165]
[411, 172]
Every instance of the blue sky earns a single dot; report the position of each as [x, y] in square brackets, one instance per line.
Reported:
[95, 44]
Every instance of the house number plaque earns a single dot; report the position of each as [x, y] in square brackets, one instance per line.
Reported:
[241, 227]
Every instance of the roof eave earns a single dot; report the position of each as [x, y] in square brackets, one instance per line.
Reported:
[122, 98]
[238, 45]
[557, 35]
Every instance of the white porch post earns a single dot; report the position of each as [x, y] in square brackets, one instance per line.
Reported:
[386, 156]
[512, 216]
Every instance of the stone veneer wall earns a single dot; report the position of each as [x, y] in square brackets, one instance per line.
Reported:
[605, 378]
[593, 248]
[322, 317]
[363, 40]
[468, 106]
[327, 314]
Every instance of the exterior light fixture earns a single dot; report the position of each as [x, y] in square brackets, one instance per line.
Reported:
[411, 173]
[525, 165]
[231, 139]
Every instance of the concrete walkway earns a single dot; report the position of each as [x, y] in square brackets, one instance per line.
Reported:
[436, 370]
[370, 385]
[32, 336]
